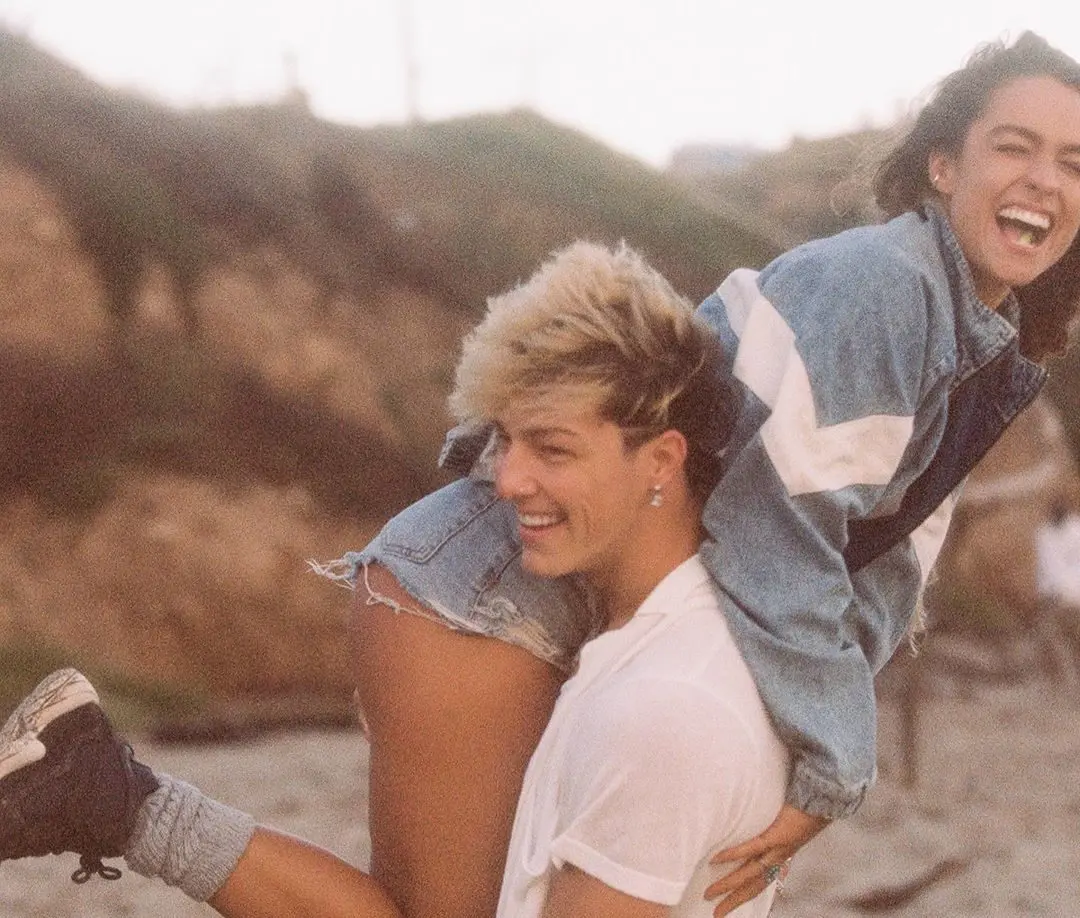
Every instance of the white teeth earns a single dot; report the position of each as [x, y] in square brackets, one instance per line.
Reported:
[1022, 215]
[536, 520]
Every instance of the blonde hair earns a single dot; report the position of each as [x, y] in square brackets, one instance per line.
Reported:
[604, 329]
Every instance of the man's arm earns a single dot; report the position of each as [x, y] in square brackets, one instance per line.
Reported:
[576, 894]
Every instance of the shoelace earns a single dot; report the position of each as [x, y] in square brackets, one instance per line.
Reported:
[90, 864]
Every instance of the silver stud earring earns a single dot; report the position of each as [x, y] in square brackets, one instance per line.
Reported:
[657, 499]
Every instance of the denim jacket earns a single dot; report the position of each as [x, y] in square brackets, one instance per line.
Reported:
[873, 380]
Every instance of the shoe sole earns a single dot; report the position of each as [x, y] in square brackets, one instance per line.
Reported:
[56, 695]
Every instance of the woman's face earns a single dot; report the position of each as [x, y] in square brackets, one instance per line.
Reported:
[1013, 192]
[578, 491]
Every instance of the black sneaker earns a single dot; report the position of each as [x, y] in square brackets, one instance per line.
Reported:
[67, 781]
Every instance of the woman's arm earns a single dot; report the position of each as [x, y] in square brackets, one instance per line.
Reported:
[831, 406]
[844, 355]
[833, 383]
[879, 583]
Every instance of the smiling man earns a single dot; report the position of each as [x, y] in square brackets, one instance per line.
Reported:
[611, 412]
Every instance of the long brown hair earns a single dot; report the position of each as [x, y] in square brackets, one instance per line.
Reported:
[1048, 304]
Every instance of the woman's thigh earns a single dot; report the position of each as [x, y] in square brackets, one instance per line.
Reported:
[452, 720]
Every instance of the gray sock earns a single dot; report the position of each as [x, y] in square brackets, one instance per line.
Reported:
[187, 839]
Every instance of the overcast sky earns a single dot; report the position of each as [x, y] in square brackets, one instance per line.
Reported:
[644, 76]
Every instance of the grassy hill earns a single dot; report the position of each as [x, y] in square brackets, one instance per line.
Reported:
[454, 211]
[226, 338]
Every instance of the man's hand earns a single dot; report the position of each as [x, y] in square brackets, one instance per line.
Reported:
[764, 859]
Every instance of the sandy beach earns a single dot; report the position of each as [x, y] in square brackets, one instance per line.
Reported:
[992, 828]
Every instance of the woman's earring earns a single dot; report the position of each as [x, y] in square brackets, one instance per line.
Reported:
[657, 499]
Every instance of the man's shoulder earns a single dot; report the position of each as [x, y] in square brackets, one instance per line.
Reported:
[688, 691]
[686, 678]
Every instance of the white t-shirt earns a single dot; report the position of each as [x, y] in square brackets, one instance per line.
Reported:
[659, 752]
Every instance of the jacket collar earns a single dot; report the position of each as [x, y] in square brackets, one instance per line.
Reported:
[981, 333]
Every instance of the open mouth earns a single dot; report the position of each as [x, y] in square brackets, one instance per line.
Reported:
[1025, 227]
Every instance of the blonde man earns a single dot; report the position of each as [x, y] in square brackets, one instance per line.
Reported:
[611, 413]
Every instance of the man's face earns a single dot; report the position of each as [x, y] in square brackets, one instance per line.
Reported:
[578, 491]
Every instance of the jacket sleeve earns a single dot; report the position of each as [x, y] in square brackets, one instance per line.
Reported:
[833, 354]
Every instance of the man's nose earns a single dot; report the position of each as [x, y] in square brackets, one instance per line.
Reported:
[513, 475]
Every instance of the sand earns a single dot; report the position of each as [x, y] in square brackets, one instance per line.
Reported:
[992, 828]
[995, 816]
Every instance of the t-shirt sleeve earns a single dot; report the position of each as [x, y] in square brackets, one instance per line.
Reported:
[648, 786]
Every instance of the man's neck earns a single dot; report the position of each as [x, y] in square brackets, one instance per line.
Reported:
[655, 554]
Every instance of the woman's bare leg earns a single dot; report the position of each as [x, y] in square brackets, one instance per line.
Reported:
[453, 720]
[280, 875]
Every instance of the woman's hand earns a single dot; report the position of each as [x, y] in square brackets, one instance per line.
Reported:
[764, 858]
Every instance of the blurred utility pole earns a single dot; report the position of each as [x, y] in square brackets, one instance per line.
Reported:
[528, 73]
[294, 94]
[407, 26]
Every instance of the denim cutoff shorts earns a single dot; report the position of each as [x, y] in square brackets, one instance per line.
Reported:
[457, 553]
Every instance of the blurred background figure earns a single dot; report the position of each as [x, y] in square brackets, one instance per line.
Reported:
[1057, 577]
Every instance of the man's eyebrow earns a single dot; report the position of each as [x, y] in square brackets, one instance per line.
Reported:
[538, 430]
[548, 430]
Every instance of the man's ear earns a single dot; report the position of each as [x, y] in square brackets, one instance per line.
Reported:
[669, 452]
